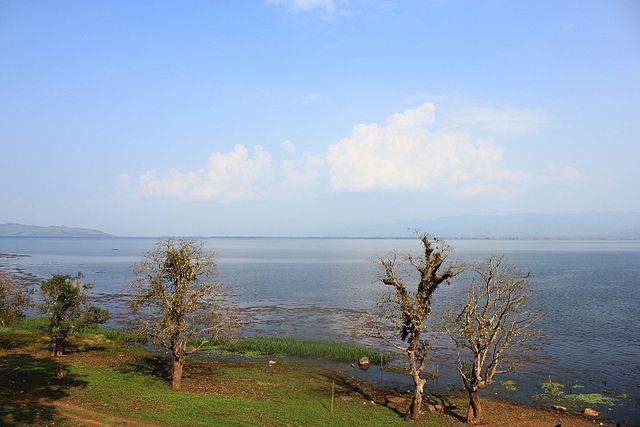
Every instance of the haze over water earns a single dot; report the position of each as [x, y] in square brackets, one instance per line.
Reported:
[586, 292]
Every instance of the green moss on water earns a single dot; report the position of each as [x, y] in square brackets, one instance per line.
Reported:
[556, 391]
[509, 385]
[593, 399]
[553, 389]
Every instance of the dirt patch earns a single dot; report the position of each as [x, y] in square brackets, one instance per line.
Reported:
[91, 417]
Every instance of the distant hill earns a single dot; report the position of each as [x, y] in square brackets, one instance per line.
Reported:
[12, 229]
[598, 225]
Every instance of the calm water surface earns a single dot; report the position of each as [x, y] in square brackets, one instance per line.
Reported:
[588, 293]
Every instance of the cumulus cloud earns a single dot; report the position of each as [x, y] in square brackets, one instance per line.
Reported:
[303, 171]
[409, 151]
[288, 146]
[405, 154]
[227, 177]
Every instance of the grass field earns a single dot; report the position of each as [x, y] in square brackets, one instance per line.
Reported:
[108, 379]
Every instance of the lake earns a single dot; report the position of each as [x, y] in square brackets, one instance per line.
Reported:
[588, 294]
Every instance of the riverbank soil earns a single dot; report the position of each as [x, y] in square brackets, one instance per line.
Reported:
[109, 382]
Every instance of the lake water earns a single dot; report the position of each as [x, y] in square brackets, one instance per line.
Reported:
[588, 294]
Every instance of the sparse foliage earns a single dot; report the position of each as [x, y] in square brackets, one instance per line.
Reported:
[494, 319]
[65, 304]
[14, 299]
[178, 302]
[404, 312]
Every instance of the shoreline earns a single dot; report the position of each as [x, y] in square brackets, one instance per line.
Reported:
[94, 353]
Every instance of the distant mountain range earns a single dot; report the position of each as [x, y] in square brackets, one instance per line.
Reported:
[599, 225]
[21, 230]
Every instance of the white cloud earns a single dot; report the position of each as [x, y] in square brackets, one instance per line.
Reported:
[327, 6]
[227, 177]
[482, 118]
[404, 154]
[304, 171]
[408, 152]
[288, 146]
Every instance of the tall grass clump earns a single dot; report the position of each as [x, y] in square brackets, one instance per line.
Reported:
[329, 350]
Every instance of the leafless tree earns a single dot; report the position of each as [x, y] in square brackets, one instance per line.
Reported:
[495, 318]
[405, 311]
[178, 302]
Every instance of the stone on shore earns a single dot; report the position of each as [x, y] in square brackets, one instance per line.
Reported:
[363, 362]
[591, 412]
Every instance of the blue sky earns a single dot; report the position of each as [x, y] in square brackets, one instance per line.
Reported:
[291, 117]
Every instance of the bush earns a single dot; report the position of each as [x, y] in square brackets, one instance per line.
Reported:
[14, 299]
[65, 303]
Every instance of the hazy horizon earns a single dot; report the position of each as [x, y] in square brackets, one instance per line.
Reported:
[285, 117]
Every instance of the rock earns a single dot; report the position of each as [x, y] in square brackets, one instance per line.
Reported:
[591, 412]
[363, 362]
[271, 362]
[438, 407]
[560, 408]
[431, 408]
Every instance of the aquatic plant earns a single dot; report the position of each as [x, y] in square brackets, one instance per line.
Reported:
[329, 350]
[509, 385]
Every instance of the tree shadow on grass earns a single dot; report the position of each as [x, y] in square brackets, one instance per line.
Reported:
[350, 386]
[155, 366]
[13, 340]
[29, 386]
[445, 402]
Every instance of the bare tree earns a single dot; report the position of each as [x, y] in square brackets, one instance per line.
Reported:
[178, 302]
[494, 319]
[407, 311]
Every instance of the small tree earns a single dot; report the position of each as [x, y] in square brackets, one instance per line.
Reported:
[178, 303]
[495, 318]
[65, 303]
[14, 299]
[407, 311]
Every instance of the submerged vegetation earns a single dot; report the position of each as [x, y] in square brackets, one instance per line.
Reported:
[562, 394]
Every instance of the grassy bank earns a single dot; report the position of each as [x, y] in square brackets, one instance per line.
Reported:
[256, 346]
[106, 379]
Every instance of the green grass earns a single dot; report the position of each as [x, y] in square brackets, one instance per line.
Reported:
[233, 395]
[141, 396]
[26, 325]
[287, 346]
[104, 380]
[120, 335]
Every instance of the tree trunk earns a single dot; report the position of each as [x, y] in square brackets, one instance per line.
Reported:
[57, 349]
[416, 403]
[176, 376]
[474, 412]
